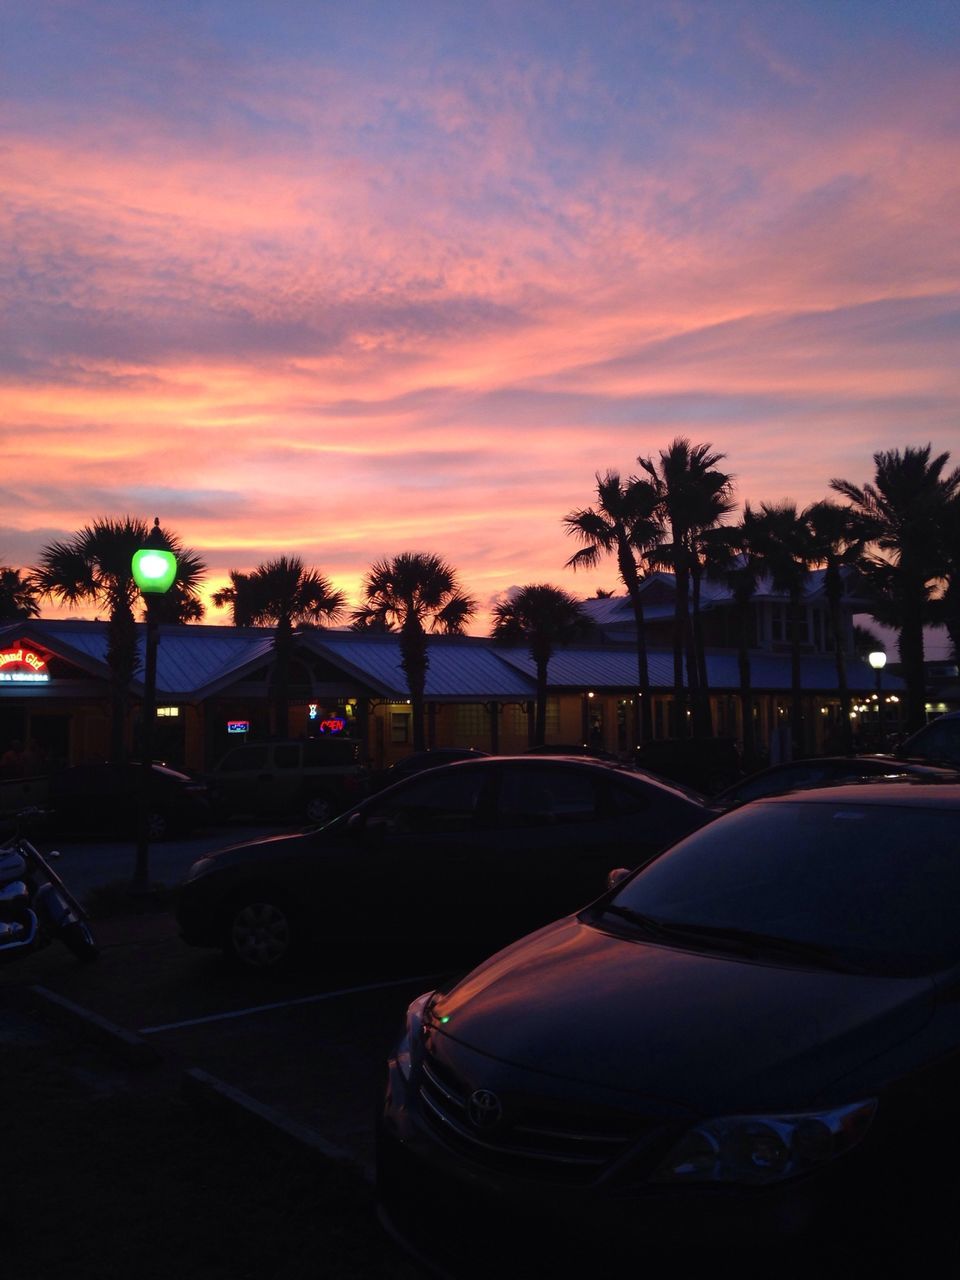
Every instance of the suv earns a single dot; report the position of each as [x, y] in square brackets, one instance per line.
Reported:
[936, 743]
[312, 779]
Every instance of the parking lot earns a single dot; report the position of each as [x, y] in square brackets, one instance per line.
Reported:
[309, 1045]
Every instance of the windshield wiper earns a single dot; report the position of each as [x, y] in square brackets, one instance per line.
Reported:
[745, 942]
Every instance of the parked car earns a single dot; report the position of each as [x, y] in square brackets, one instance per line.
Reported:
[458, 860]
[106, 797]
[706, 764]
[936, 743]
[753, 1038]
[822, 770]
[421, 762]
[311, 779]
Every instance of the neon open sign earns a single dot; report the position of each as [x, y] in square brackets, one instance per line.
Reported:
[238, 726]
[21, 666]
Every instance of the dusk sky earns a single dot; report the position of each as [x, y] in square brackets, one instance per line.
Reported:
[348, 279]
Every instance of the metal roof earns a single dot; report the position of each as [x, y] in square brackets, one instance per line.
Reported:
[604, 668]
[460, 667]
[194, 661]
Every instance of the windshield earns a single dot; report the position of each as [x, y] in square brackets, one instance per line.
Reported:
[876, 885]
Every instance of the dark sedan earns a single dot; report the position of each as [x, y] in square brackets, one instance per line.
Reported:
[795, 775]
[106, 798]
[460, 859]
[753, 1038]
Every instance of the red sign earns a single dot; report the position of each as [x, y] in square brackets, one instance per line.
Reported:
[22, 666]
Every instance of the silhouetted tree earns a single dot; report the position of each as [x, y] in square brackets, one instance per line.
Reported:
[414, 591]
[94, 567]
[281, 593]
[18, 596]
[543, 617]
[693, 495]
[908, 505]
[625, 523]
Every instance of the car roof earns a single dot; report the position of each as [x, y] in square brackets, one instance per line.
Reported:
[906, 792]
[589, 763]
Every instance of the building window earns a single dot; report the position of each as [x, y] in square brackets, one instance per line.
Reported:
[400, 726]
[472, 722]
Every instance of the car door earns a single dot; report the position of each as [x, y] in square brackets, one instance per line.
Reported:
[424, 846]
[550, 840]
[561, 828]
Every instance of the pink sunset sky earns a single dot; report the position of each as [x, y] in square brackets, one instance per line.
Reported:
[344, 281]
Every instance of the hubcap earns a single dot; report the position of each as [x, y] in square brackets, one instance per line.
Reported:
[261, 934]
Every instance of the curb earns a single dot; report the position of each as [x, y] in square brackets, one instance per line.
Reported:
[131, 1048]
[199, 1087]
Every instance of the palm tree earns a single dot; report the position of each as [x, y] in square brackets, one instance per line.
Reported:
[839, 536]
[949, 608]
[626, 523]
[693, 496]
[732, 561]
[94, 567]
[18, 596]
[543, 617]
[908, 506]
[413, 591]
[284, 594]
[783, 544]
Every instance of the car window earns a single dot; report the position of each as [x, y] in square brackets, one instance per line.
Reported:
[534, 797]
[940, 740]
[878, 883]
[623, 799]
[320, 752]
[252, 757]
[287, 755]
[450, 802]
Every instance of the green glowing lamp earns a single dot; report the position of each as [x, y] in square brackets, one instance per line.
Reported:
[154, 568]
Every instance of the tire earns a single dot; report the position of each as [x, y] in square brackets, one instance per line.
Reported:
[77, 936]
[260, 934]
[318, 809]
[158, 827]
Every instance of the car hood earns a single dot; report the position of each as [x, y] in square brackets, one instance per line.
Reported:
[707, 1031]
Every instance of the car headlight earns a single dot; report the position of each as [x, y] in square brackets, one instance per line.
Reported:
[762, 1149]
[198, 869]
[412, 1033]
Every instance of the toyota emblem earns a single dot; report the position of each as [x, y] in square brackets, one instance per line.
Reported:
[484, 1109]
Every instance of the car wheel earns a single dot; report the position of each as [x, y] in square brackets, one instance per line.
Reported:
[318, 809]
[260, 934]
[78, 937]
[157, 825]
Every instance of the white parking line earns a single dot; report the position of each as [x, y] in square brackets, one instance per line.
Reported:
[285, 1004]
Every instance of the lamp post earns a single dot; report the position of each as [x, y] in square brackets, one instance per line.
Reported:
[154, 569]
[878, 660]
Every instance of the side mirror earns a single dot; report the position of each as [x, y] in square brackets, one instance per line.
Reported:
[614, 877]
[369, 831]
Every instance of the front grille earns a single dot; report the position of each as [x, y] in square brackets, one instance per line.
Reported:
[534, 1138]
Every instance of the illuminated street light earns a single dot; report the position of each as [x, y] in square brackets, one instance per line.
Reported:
[154, 569]
[878, 660]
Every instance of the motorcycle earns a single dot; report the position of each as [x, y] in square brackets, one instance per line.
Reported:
[36, 907]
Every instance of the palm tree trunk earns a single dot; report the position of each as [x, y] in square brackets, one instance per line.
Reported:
[746, 692]
[122, 661]
[540, 724]
[796, 686]
[643, 670]
[680, 628]
[834, 587]
[911, 658]
[703, 721]
[413, 649]
[283, 644]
